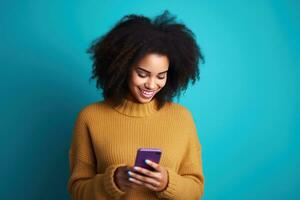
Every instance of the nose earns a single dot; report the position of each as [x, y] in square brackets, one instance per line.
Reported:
[150, 84]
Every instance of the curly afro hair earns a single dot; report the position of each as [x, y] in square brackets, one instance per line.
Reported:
[134, 36]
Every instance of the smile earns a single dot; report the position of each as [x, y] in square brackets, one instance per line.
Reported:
[147, 94]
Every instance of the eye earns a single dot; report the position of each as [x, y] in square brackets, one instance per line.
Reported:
[142, 75]
[161, 77]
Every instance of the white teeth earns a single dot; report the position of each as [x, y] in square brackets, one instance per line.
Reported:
[147, 94]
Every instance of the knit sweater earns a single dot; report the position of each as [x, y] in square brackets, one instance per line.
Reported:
[106, 137]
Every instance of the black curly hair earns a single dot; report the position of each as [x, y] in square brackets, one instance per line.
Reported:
[115, 53]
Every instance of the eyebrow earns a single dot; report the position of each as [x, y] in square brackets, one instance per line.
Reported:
[150, 72]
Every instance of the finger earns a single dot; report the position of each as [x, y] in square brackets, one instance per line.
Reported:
[124, 174]
[135, 186]
[147, 172]
[151, 187]
[153, 165]
[123, 177]
[144, 179]
[126, 169]
[135, 175]
[130, 184]
[133, 180]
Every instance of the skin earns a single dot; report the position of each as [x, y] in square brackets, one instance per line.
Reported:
[127, 178]
[149, 74]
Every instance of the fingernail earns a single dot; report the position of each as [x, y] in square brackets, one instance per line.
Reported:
[147, 161]
[130, 173]
[135, 168]
[130, 179]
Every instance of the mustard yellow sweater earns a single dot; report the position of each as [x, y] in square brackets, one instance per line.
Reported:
[107, 137]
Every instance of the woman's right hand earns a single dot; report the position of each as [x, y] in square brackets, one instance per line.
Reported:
[121, 178]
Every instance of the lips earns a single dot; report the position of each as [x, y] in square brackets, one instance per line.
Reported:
[147, 94]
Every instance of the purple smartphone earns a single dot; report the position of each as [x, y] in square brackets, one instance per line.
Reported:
[152, 154]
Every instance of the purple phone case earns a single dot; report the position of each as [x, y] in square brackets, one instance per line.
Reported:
[152, 154]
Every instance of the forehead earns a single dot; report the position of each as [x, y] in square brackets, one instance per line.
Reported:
[154, 63]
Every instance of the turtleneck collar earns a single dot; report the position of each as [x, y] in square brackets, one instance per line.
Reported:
[132, 108]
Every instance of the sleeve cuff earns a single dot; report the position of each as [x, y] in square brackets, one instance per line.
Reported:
[169, 192]
[109, 184]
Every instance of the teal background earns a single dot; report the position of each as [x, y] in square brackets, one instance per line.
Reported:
[246, 104]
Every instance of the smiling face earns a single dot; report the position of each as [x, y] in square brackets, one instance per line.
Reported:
[148, 77]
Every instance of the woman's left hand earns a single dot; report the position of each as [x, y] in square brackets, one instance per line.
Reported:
[154, 180]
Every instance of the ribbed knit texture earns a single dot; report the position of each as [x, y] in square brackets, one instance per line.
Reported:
[107, 137]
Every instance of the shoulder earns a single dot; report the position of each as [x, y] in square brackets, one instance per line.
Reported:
[178, 107]
[187, 119]
[179, 110]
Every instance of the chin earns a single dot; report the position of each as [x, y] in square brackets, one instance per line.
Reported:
[142, 100]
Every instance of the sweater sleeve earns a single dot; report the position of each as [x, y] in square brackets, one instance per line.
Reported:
[84, 181]
[188, 182]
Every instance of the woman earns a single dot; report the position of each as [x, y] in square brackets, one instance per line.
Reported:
[140, 65]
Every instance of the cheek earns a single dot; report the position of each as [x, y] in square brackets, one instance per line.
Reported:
[135, 80]
[163, 83]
